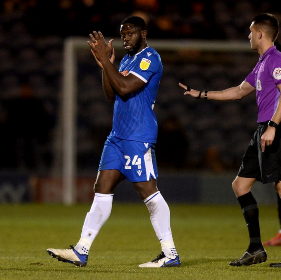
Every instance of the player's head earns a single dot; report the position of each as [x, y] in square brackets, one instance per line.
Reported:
[268, 23]
[133, 34]
[138, 22]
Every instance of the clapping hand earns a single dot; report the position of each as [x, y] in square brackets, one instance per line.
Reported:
[100, 50]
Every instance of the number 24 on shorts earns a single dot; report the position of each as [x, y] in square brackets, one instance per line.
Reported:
[136, 161]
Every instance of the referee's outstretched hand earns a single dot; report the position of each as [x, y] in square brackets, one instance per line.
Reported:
[189, 91]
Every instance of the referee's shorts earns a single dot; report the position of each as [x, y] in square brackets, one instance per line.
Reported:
[263, 166]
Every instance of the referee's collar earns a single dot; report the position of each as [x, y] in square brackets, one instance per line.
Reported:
[271, 49]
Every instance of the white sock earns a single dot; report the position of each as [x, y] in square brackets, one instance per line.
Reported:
[83, 246]
[169, 249]
[95, 219]
[160, 219]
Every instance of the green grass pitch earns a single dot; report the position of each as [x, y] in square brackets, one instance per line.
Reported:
[206, 237]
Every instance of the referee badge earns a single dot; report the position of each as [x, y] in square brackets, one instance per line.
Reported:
[277, 73]
[144, 64]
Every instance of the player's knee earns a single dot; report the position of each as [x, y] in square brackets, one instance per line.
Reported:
[141, 192]
[278, 188]
[103, 188]
[235, 186]
[240, 187]
[145, 189]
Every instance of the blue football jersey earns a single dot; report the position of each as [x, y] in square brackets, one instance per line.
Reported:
[133, 117]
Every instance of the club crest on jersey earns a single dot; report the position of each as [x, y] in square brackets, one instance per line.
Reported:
[145, 64]
[124, 73]
[277, 73]
[259, 87]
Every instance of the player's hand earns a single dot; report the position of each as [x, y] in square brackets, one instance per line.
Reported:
[267, 137]
[189, 91]
[112, 52]
[99, 48]
[112, 57]
[98, 62]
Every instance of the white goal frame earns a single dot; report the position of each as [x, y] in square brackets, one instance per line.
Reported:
[69, 94]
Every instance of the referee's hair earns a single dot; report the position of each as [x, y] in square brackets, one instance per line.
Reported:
[136, 21]
[269, 22]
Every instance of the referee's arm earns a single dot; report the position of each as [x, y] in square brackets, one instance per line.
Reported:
[233, 93]
[269, 135]
[277, 115]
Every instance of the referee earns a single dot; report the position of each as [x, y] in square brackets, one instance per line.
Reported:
[262, 159]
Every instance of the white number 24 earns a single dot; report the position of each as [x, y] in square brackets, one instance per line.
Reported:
[136, 161]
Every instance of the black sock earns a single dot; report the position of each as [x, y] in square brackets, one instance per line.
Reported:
[279, 208]
[251, 215]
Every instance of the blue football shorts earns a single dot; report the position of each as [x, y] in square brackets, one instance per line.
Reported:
[135, 160]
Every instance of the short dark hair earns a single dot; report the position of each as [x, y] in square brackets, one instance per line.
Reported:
[136, 21]
[270, 23]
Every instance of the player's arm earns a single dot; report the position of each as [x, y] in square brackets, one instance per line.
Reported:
[122, 84]
[269, 135]
[107, 88]
[233, 93]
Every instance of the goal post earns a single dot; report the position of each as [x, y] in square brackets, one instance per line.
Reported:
[72, 45]
[68, 121]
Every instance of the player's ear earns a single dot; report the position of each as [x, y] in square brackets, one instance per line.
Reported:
[143, 34]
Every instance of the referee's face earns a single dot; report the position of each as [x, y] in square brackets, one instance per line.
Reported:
[131, 37]
[254, 36]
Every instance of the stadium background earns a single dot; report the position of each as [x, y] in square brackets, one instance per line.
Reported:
[32, 35]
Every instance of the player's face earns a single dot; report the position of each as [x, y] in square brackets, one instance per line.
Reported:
[254, 36]
[132, 38]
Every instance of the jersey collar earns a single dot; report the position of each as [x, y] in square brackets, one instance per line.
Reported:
[271, 49]
[140, 51]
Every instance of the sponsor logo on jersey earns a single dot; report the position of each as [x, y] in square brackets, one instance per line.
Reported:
[259, 87]
[139, 172]
[124, 73]
[277, 73]
[144, 64]
[149, 54]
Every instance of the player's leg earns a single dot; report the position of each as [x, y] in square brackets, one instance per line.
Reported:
[272, 170]
[278, 188]
[99, 212]
[108, 178]
[160, 219]
[255, 252]
[276, 240]
[140, 167]
[279, 212]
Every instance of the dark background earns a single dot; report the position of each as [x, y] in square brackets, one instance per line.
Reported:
[193, 135]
